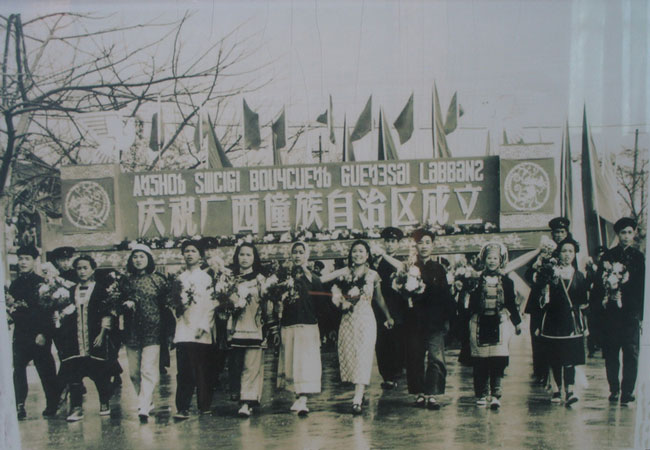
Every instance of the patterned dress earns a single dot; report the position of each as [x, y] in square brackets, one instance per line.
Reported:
[357, 335]
[149, 293]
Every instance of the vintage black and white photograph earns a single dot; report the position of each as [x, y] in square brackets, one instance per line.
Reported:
[324, 224]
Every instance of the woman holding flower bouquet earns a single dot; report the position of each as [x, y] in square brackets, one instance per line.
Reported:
[246, 328]
[86, 339]
[353, 291]
[300, 363]
[194, 319]
[492, 307]
[143, 298]
[562, 326]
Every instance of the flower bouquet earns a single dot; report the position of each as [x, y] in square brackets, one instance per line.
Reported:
[546, 268]
[54, 294]
[223, 287]
[182, 297]
[280, 287]
[13, 305]
[408, 282]
[348, 290]
[614, 275]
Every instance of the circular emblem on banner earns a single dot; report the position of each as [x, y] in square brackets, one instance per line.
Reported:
[527, 186]
[87, 205]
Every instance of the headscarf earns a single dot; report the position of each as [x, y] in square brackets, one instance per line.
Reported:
[494, 247]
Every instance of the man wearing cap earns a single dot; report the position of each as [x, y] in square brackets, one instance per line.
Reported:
[62, 258]
[390, 342]
[32, 337]
[559, 231]
[623, 312]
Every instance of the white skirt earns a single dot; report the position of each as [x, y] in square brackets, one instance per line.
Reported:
[300, 364]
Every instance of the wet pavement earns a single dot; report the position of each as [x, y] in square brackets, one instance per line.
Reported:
[526, 420]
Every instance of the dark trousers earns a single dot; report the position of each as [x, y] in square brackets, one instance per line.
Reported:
[540, 365]
[217, 363]
[390, 352]
[23, 353]
[425, 360]
[625, 338]
[235, 368]
[566, 373]
[193, 363]
[73, 371]
[488, 369]
[595, 324]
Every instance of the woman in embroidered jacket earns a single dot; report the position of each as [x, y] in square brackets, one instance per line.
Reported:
[358, 328]
[300, 363]
[245, 326]
[86, 339]
[562, 329]
[492, 307]
[194, 320]
[144, 296]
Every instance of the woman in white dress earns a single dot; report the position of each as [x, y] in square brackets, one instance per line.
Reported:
[354, 289]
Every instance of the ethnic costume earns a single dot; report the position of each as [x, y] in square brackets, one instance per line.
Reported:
[493, 313]
[76, 337]
[562, 328]
[300, 363]
[246, 369]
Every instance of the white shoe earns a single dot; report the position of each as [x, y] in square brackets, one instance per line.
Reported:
[495, 403]
[296, 405]
[76, 415]
[481, 401]
[244, 411]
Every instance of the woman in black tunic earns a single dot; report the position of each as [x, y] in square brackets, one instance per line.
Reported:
[562, 328]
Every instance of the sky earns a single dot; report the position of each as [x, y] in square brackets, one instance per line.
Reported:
[521, 66]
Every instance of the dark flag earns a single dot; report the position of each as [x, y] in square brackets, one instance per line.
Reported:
[386, 146]
[251, 128]
[363, 124]
[217, 158]
[404, 122]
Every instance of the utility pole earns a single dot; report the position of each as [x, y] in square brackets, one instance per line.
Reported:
[319, 153]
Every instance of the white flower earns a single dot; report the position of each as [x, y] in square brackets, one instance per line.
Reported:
[412, 283]
[612, 280]
[42, 290]
[61, 293]
[243, 291]
[354, 292]
[618, 267]
[414, 271]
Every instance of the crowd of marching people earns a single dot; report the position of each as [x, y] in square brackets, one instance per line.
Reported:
[222, 315]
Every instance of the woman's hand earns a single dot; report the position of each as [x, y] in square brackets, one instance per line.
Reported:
[199, 333]
[390, 323]
[129, 304]
[99, 339]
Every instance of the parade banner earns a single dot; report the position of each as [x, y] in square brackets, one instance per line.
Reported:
[259, 200]
[528, 186]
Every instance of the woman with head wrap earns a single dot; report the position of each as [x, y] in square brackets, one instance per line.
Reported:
[562, 328]
[492, 307]
[144, 296]
[300, 364]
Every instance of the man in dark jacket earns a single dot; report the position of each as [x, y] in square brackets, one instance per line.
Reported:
[623, 311]
[426, 324]
[62, 258]
[32, 337]
[390, 342]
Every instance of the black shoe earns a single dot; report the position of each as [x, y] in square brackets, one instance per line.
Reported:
[49, 412]
[571, 398]
[356, 409]
[143, 418]
[182, 415]
[420, 401]
[613, 397]
[20, 411]
[627, 398]
[432, 404]
[104, 409]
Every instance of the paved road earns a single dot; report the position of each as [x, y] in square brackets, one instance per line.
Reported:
[527, 419]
